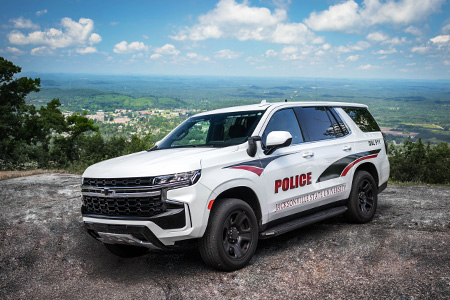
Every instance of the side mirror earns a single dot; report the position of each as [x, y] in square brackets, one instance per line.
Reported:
[276, 140]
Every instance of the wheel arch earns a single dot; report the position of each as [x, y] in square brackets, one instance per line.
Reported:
[371, 169]
[245, 194]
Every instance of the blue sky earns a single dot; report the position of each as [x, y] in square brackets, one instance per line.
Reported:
[407, 39]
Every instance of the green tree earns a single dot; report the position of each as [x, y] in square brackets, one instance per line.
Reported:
[417, 162]
[13, 111]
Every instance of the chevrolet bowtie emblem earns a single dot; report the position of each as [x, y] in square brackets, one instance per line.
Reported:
[106, 192]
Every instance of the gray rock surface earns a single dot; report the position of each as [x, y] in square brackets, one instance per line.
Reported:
[402, 254]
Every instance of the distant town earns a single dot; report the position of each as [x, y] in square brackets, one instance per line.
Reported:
[157, 122]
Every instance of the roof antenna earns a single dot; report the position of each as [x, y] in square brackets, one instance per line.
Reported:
[285, 100]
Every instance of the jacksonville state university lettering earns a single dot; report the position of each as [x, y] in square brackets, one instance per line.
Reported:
[310, 197]
[293, 182]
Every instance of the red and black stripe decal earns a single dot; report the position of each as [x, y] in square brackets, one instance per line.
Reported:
[256, 166]
[342, 166]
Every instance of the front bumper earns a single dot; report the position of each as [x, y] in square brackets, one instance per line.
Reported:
[124, 234]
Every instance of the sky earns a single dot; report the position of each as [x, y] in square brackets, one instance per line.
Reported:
[402, 39]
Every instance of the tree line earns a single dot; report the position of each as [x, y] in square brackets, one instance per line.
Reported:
[33, 138]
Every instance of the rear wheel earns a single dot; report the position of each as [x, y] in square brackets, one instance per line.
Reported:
[126, 250]
[362, 202]
[231, 236]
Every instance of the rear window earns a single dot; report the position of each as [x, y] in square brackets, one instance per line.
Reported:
[362, 118]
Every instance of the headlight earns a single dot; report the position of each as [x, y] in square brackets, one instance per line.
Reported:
[184, 178]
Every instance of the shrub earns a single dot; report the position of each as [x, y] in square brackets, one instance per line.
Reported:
[417, 162]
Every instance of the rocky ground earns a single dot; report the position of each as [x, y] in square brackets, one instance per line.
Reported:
[402, 254]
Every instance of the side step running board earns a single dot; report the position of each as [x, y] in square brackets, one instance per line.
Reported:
[301, 222]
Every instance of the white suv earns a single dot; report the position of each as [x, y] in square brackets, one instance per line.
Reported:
[229, 177]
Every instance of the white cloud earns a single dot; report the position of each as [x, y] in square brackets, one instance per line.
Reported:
[87, 50]
[41, 12]
[359, 46]
[367, 67]
[326, 46]
[155, 56]
[14, 50]
[227, 54]
[230, 19]
[420, 49]
[440, 39]
[73, 34]
[377, 37]
[109, 58]
[410, 64]
[382, 57]
[194, 57]
[145, 36]
[293, 33]
[271, 53]
[290, 53]
[42, 51]
[339, 17]
[352, 58]
[23, 23]
[124, 47]
[94, 39]
[167, 49]
[413, 30]
[396, 41]
[350, 16]
[384, 52]
[447, 62]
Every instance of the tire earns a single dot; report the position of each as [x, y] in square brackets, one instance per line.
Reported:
[231, 237]
[363, 199]
[126, 251]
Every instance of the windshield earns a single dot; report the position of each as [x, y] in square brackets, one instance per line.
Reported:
[219, 130]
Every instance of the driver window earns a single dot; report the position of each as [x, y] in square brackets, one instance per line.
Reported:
[284, 120]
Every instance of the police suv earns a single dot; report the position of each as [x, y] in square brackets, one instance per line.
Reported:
[229, 177]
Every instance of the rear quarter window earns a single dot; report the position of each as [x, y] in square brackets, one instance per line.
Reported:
[362, 117]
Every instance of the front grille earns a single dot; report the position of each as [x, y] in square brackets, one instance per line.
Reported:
[122, 197]
[111, 206]
[118, 182]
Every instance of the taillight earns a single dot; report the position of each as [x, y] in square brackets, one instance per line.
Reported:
[385, 143]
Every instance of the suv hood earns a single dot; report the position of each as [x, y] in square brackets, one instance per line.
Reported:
[152, 163]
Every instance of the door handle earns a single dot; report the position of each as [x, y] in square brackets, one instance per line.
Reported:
[347, 148]
[307, 154]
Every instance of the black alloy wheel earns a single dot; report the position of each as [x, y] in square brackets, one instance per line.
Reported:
[365, 196]
[236, 234]
[362, 202]
[231, 237]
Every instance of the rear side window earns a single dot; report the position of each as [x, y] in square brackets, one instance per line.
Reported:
[339, 126]
[318, 123]
[362, 117]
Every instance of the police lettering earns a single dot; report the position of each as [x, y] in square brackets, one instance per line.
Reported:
[293, 182]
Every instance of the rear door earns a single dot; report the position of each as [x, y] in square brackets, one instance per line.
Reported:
[332, 146]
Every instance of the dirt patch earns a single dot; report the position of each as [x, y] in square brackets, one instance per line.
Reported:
[402, 254]
[15, 174]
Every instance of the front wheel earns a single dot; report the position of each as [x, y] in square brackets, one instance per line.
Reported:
[362, 202]
[231, 236]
